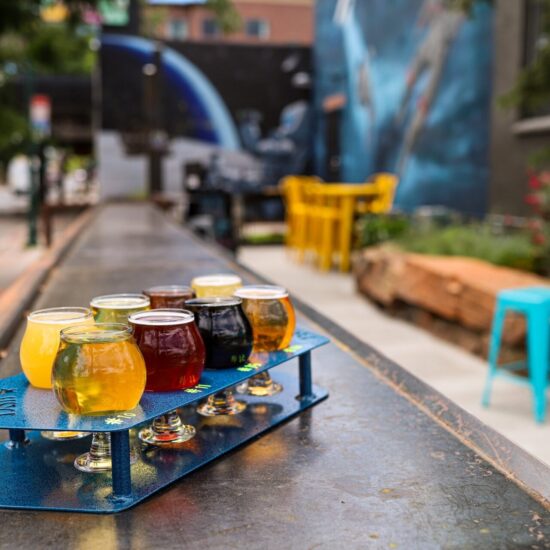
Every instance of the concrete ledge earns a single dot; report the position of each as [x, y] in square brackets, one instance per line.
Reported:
[18, 297]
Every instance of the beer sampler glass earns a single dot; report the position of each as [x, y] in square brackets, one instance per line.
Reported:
[115, 308]
[169, 296]
[98, 370]
[271, 314]
[227, 336]
[110, 308]
[222, 285]
[174, 357]
[39, 348]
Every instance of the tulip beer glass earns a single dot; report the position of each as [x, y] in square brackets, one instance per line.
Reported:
[98, 370]
[111, 308]
[174, 357]
[115, 308]
[41, 340]
[39, 347]
[169, 296]
[223, 284]
[271, 314]
[227, 336]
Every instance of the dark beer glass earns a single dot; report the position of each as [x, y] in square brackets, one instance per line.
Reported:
[174, 358]
[227, 335]
[169, 296]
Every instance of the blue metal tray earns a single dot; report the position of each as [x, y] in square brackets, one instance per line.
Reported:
[41, 476]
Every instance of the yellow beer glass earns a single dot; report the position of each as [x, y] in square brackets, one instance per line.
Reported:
[221, 285]
[98, 370]
[41, 340]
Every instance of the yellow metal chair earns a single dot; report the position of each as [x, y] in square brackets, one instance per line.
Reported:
[331, 209]
[386, 184]
[297, 213]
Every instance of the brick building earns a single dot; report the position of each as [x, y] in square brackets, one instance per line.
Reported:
[263, 21]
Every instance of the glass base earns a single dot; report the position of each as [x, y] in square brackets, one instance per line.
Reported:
[260, 385]
[98, 458]
[221, 403]
[63, 436]
[168, 430]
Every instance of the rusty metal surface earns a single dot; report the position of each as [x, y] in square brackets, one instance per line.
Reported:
[365, 469]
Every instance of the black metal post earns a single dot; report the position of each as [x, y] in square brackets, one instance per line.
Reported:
[34, 198]
[152, 74]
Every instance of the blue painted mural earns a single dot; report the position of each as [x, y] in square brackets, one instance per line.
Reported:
[413, 79]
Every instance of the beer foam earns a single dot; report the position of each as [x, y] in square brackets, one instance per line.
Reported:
[261, 292]
[214, 301]
[219, 279]
[168, 290]
[60, 315]
[120, 301]
[162, 317]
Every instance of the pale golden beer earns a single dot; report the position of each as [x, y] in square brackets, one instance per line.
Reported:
[41, 340]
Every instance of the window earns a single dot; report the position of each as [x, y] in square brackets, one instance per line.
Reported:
[534, 40]
[177, 29]
[210, 28]
[257, 28]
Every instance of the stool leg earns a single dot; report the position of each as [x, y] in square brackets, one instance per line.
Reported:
[537, 355]
[494, 348]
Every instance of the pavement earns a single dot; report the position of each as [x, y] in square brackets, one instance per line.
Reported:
[452, 371]
[15, 255]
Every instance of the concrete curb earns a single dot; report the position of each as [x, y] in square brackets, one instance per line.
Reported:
[528, 472]
[18, 297]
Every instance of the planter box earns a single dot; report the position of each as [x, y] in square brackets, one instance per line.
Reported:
[453, 297]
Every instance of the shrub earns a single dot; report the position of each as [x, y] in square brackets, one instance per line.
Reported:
[477, 240]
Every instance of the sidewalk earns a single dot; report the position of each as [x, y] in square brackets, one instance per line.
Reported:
[15, 256]
[450, 370]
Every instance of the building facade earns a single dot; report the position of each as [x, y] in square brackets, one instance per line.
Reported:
[515, 135]
[269, 22]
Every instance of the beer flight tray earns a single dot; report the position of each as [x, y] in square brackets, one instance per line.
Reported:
[38, 474]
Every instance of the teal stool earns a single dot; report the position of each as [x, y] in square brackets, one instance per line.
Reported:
[534, 303]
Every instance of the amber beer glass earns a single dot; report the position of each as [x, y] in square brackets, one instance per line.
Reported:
[109, 308]
[98, 370]
[273, 320]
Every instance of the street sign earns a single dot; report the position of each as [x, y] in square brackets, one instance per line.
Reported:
[114, 12]
[40, 115]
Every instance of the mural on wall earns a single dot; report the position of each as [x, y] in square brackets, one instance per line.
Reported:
[414, 82]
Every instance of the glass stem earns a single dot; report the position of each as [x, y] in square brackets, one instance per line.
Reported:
[101, 446]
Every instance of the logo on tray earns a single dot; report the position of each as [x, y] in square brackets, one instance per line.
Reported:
[8, 402]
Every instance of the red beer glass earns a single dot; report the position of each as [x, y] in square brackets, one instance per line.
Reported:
[169, 296]
[174, 355]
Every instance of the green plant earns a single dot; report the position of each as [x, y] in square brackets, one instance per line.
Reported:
[374, 229]
[477, 240]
